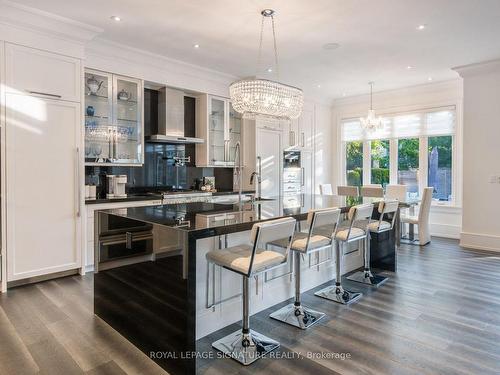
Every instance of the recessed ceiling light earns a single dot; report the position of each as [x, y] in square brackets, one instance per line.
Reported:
[429, 79]
[421, 27]
[116, 18]
[330, 46]
[344, 94]
[319, 86]
[269, 70]
[409, 67]
[196, 46]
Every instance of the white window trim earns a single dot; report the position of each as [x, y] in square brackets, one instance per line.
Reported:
[423, 157]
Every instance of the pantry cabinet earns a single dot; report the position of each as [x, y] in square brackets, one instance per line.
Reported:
[220, 125]
[114, 119]
[41, 156]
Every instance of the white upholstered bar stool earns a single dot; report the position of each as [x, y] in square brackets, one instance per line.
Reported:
[245, 345]
[325, 189]
[372, 191]
[349, 191]
[422, 219]
[387, 207]
[361, 213]
[322, 225]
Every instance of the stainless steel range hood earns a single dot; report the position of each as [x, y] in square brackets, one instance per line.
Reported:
[171, 119]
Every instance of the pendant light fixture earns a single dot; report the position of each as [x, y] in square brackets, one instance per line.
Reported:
[262, 97]
[371, 123]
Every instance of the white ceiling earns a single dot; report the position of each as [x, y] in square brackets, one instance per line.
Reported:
[378, 38]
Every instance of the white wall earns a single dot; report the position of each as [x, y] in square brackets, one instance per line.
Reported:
[323, 146]
[445, 221]
[481, 152]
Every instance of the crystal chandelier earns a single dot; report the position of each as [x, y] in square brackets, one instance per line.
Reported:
[262, 97]
[371, 123]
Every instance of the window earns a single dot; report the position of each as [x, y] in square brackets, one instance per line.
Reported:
[380, 158]
[408, 154]
[439, 171]
[354, 163]
[415, 149]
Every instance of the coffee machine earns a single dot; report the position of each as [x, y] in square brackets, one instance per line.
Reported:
[116, 186]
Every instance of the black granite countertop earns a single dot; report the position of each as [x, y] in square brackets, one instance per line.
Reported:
[129, 198]
[200, 216]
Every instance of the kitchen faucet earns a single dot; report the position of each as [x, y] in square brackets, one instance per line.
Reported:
[258, 189]
[237, 170]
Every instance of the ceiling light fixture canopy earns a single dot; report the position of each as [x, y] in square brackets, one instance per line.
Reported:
[371, 122]
[262, 97]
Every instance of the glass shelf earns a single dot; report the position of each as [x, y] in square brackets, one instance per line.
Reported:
[113, 135]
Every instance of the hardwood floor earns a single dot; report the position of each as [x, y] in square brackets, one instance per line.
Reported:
[440, 314]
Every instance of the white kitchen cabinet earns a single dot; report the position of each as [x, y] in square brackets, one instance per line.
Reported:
[263, 152]
[3, 263]
[114, 119]
[220, 125]
[299, 133]
[40, 73]
[306, 160]
[43, 184]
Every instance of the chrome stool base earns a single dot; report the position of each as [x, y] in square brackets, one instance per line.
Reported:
[297, 316]
[338, 294]
[245, 348]
[367, 278]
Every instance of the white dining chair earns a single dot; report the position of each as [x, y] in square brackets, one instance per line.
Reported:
[325, 189]
[396, 192]
[421, 219]
[372, 191]
[349, 191]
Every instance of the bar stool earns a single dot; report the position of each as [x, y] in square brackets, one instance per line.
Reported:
[246, 345]
[380, 226]
[337, 293]
[322, 225]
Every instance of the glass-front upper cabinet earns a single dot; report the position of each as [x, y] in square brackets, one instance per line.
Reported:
[217, 151]
[220, 126]
[113, 119]
[233, 133]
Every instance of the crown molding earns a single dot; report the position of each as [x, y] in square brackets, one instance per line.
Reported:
[28, 18]
[451, 87]
[484, 67]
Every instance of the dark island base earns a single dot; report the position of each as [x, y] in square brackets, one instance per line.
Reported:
[147, 304]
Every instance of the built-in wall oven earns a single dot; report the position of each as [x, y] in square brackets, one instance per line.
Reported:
[293, 173]
[293, 182]
[121, 238]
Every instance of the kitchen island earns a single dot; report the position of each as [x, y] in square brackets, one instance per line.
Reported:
[154, 286]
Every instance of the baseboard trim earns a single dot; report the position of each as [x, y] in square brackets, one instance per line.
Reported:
[37, 279]
[480, 241]
[445, 230]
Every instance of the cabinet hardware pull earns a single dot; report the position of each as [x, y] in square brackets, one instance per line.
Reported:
[44, 93]
[128, 240]
[78, 187]
[303, 140]
[302, 177]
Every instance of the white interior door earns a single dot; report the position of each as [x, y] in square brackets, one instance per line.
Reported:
[269, 150]
[41, 176]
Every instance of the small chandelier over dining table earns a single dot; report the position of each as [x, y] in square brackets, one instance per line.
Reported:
[371, 122]
[255, 96]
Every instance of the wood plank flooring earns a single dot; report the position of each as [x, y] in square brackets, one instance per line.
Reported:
[440, 314]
